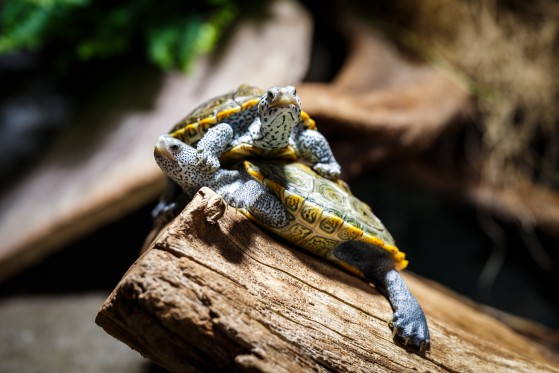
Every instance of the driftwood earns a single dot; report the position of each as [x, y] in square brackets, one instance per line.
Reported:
[214, 292]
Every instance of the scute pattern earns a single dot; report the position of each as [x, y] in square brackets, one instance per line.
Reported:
[312, 212]
[324, 212]
[238, 108]
[296, 232]
[321, 246]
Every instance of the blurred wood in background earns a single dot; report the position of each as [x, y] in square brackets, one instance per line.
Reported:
[104, 168]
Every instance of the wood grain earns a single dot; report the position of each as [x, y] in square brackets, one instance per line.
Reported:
[227, 296]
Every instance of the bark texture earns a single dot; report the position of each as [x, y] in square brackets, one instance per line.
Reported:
[214, 292]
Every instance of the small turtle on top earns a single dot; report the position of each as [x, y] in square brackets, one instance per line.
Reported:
[254, 124]
[314, 213]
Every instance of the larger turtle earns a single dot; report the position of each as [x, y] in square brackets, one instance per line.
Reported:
[314, 213]
[253, 123]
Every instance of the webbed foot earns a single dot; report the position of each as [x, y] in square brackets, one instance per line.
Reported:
[409, 327]
[330, 170]
[212, 145]
[207, 162]
[409, 324]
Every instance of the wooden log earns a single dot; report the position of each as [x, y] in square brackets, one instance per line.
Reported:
[214, 292]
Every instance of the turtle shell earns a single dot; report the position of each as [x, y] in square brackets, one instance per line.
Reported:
[324, 213]
[238, 107]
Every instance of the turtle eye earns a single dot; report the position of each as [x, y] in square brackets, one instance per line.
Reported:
[270, 95]
[174, 147]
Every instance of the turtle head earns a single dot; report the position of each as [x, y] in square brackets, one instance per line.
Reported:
[280, 111]
[177, 160]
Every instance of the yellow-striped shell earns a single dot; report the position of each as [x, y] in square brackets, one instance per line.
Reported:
[238, 108]
[324, 213]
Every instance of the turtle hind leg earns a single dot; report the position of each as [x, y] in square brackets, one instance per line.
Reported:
[261, 203]
[409, 325]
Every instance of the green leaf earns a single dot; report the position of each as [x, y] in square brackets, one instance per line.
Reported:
[173, 32]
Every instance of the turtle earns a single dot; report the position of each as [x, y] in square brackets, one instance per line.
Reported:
[289, 199]
[254, 123]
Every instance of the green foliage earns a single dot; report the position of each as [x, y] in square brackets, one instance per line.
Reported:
[172, 32]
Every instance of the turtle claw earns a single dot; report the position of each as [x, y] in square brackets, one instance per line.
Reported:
[330, 170]
[207, 162]
[407, 341]
[412, 333]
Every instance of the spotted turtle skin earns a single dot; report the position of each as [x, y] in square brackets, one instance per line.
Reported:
[239, 108]
[292, 201]
[248, 123]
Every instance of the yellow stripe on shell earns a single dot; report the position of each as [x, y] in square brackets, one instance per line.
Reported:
[179, 134]
[372, 240]
[397, 255]
[227, 113]
[183, 134]
[243, 151]
[249, 167]
[237, 153]
[209, 120]
[249, 215]
[287, 153]
[274, 186]
[250, 103]
[318, 216]
[400, 266]
[307, 121]
[391, 248]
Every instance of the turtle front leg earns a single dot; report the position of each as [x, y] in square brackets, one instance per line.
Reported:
[212, 145]
[313, 147]
[259, 202]
[409, 324]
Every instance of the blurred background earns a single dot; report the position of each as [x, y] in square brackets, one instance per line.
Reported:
[443, 115]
